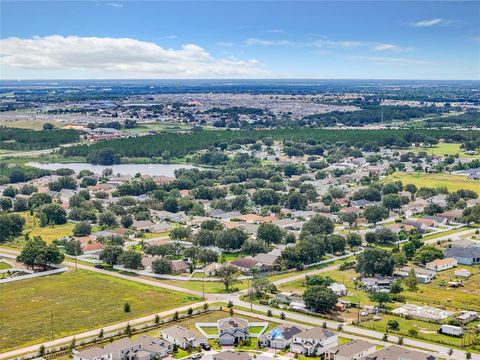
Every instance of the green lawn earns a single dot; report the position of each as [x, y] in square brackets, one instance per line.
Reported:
[77, 301]
[444, 233]
[255, 329]
[4, 265]
[212, 287]
[451, 182]
[426, 331]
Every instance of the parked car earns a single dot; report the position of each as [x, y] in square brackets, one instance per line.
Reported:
[206, 347]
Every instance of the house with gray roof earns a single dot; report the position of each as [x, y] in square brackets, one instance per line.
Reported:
[232, 355]
[94, 353]
[232, 330]
[280, 337]
[313, 342]
[395, 352]
[464, 255]
[182, 337]
[353, 350]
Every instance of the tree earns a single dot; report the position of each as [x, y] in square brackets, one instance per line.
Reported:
[54, 214]
[39, 199]
[261, 284]
[375, 261]
[319, 298]
[48, 126]
[231, 239]
[270, 233]
[5, 203]
[427, 254]
[21, 204]
[162, 266]
[354, 239]
[110, 254]
[131, 259]
[127, 221]
[37, 252]
[317, 225]
[296, 201]
[393, 324]
[10, 225]
[348, 217]
[392, 201]
[73, 248]
[381, 298]
[126, 307]
[411, 280]
[82, 228]
[374, 213]
[229, 276]
[107, 219]
[181, 233]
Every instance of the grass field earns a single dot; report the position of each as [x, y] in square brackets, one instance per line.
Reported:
[30, 124]
[210, 286]
[434, 294]
[451, 182]
[4, 266]
[48, 233]
[426, 331]
[444, 233]
[77, 301]
[446, 149]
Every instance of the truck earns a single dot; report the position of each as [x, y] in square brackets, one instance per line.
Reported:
[451, 330]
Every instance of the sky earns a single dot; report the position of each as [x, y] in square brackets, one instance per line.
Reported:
[437, 40]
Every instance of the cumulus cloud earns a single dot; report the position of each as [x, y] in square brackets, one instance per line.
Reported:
[431, 22]
[120, 57]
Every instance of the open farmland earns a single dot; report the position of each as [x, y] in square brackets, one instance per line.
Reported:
[76, 301]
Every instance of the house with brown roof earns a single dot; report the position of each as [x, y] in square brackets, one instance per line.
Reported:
[180, 266]
[394, 352]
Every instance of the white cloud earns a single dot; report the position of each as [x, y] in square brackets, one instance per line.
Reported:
[390, 47]
[475, 38]
[274, 31]
[119, 57]
[266, 43]
[385, 60]
[115, 5]
[224, 44]
[431, 22]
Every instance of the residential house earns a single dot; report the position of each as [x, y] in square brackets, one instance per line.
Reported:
[232, 331]
[267, 261]
[466, 317]
[352, 350]
[313, 342]
[441, 264]
[462, 273]
[142, 225]
[232, 355]
[280, 337]
[464, 255]
[394, 352]
[244, 264]
[377, 282]
[212, 269]
[338, 289]
[94, 353]
[452, 215]
[124, 349]
[182, 337]
[180, 266]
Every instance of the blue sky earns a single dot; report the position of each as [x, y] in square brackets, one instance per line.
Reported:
[244, 39]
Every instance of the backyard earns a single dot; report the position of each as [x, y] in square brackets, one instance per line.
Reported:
[73, 302]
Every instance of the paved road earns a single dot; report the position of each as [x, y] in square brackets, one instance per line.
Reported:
[454, 236]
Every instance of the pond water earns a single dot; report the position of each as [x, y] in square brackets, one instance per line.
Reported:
[123, 169]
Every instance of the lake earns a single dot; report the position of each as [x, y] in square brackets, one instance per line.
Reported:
[124, 169]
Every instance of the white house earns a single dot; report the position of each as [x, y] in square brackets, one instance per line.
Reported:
[441, 264]
[313, 342]
[182, 337]
[232, 330]
[279, 337]
[338, 289]
[353, 350]
[462, 273]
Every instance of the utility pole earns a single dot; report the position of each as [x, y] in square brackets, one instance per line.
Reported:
[203, 286]
[51, 324]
